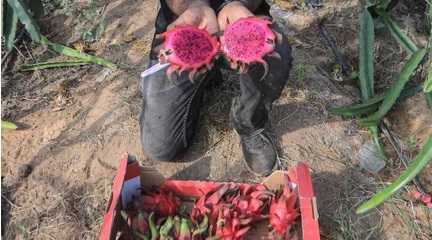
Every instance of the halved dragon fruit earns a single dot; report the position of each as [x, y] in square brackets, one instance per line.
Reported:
[188, 48]
[247, 41]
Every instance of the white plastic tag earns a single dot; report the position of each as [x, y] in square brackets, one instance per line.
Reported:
[155, 68]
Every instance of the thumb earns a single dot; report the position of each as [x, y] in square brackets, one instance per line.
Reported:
[178, 22]
[223, 22]
[212, 27]
[172, 25]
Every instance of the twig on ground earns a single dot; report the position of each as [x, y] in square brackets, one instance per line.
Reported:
[6, 58]
[398, 149]
[336, 86]
[28, 52]
[9, 201]
[330, 42]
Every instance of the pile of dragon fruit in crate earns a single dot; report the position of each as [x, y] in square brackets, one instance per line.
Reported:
[228, 211]
[225, 212]
[244, 42]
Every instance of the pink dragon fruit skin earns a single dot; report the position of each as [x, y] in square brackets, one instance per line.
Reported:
[283, 212]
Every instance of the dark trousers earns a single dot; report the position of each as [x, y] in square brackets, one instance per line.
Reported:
[170, 112]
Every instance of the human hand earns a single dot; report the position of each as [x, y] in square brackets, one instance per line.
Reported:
[231, 13]
[198, 14]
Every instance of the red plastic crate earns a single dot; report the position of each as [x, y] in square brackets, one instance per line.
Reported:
[130, 177]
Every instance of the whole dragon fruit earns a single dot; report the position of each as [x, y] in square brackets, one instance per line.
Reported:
[161, 202]
[188, 48]
[247, 41]
[283, 211]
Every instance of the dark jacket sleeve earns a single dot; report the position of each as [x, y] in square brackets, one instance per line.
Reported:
[256, 6]
[253, 5]
[216, 4]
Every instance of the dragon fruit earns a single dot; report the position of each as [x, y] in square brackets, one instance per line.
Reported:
[139, 223]
[283, 211]
[232, 209]
[161, 202]
[185, 233]
[247, 41]
[229, 226]
[188, 48]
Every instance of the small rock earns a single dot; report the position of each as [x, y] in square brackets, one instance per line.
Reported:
[25, 170]
[291, 20]
[315, 3]
[370, 157]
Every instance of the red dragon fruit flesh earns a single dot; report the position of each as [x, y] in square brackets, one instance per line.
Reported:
[249, 40]
[188, 48]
